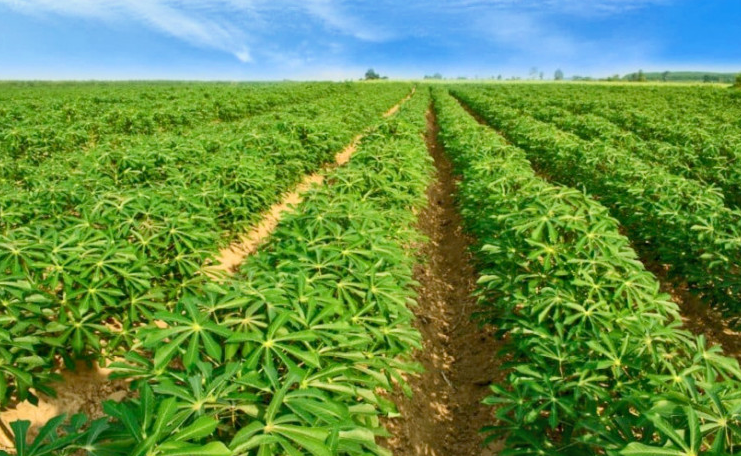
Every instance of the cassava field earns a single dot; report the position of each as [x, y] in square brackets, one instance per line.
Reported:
[369, 269]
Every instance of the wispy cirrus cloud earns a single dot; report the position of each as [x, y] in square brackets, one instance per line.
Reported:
[288, 37]
[336, 15]
[224, 25]
[525, 32]
[192, 21]
[547, 32]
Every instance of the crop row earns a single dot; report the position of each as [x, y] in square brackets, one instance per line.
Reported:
[680, 222]
[291, 354]
[687, 124]
[682, 128]
[25, 151]
[680, 135]
[707, 164]
[599, 363]
[674, 114]
[93, 249]
[37, 122]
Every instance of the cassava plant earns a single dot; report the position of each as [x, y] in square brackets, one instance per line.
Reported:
[600, 364]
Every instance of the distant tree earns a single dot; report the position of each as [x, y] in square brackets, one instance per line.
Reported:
[636, 77]
[499, 77]
[558, 75]
[533, 72]
[738, 81]
[541, 75]
[434, 76]
[665, 76]
[371, 74]
[706, 78]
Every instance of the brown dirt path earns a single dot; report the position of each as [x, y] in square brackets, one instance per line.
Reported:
[460, 359]
[229, 258]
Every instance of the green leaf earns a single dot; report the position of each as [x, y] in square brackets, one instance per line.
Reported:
[639, 449]
[310, 438]
[20, 431]
[200, 428]
[209, 449]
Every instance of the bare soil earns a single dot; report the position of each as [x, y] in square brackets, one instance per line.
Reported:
[81, 391]
[697, 316]
[460, 358]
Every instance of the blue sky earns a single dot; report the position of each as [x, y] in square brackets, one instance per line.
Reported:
[340, 39]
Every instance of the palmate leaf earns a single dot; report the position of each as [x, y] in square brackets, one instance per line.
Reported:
[207, 392]
[718, 421]
[94, 294]
[155, 427]
[19, 251]
[194, 330]
[278, 343]
[276, 432]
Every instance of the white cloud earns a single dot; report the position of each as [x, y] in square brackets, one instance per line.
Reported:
[332, 14]
[224, 25]
[192, 21]
[527, 33]
[243, 56]
[298, 35]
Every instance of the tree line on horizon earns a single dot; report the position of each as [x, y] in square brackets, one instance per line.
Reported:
[639, 76]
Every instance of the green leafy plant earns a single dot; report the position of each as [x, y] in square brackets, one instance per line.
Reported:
[290, 355]
[678, 221]
[599, 363]
[97, 241]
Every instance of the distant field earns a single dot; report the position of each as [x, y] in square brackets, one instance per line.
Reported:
[686, 76]
[592, 230]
